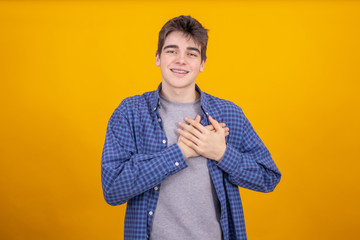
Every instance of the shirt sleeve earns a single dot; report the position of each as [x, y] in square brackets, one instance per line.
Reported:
[246, 160]
[126, 173]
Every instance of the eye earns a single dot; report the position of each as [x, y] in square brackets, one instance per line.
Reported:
[192, 54]
[170, 51]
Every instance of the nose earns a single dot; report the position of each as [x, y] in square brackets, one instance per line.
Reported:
[180, 58]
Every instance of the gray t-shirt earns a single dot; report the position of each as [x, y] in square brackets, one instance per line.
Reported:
[188, 207]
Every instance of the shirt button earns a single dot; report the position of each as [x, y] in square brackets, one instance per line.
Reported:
[154, 109]
[156, 188]
[207, 113]
[176, 163]
[151, 213]
[159, 119]
[147, 236]
[164, 141]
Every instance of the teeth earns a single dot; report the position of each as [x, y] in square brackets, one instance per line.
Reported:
[178, 71]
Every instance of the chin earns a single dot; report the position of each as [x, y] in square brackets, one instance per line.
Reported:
[180, 83]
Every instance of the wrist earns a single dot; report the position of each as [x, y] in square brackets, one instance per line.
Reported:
[183, 149]
[220, 155]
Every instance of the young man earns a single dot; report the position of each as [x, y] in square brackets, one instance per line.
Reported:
[169, 155]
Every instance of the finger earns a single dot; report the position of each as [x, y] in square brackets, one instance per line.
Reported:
[197, 118]
[213, 130]
[210, 127]
[215, 124]
[188, 136]
[190, 129]
[197, 125]
[189, 143]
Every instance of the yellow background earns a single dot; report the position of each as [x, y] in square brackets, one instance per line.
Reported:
[293, 67]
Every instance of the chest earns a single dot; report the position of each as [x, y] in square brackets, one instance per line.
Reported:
[157, 130]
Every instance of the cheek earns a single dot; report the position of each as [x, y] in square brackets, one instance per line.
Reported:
[195, 66]
[165, 62]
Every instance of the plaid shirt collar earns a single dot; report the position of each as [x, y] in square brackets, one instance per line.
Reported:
[155, 99]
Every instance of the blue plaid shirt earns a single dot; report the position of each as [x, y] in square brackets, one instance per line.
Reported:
[136, 159]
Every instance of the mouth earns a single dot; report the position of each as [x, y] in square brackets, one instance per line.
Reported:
[179, 71]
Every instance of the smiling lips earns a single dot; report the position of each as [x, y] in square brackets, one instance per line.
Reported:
[180, 71]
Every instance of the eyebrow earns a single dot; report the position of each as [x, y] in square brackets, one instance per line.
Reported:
[188, 48]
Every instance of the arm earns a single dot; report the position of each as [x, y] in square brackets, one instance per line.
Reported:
[125, 173]
[246, 160]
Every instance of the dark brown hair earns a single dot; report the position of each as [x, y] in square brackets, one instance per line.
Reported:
[190, 27]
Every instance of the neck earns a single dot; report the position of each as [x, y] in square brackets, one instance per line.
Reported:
[181, 95]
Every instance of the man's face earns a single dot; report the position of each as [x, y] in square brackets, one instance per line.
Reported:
[180, 61]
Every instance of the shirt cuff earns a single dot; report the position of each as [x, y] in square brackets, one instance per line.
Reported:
[175, 158]
[230, 160]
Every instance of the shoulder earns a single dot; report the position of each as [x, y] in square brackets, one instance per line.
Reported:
[130, 112]
[222, 108]
[136, 102]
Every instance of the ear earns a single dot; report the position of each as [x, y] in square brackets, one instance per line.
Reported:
[157, 59]
[202, 65]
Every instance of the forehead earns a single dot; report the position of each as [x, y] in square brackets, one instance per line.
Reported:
[181, 40]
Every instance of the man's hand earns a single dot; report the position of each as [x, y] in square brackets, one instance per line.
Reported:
[203, 141]
[190, 152]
